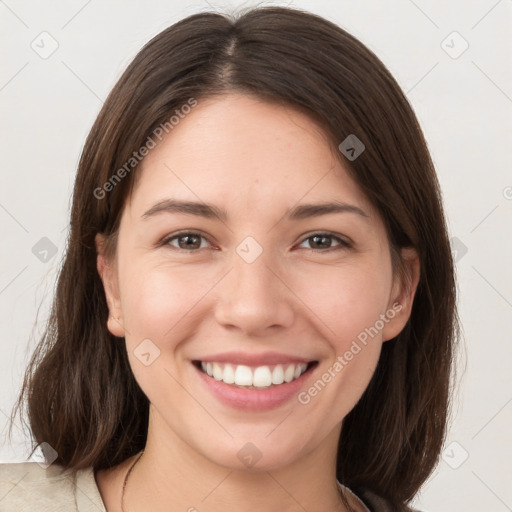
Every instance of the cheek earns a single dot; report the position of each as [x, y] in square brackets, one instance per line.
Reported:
[163, 303]
[346, 300]
[349, 304]
[158, 304]
[142, 298]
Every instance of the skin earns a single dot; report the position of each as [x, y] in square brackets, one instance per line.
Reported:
[257, 160]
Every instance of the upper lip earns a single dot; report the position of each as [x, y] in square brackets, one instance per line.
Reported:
[244, 358]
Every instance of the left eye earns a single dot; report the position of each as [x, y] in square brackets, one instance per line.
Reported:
[319, 239]
[189, 241]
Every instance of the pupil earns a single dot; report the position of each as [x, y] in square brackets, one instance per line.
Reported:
[188, 238]
[317, 237]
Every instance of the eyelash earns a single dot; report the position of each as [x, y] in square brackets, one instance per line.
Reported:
[343, 244]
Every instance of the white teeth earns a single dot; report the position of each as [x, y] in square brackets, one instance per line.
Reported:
[217, 372]
[243, 376]
[289, 373]
[229, 374]
[298, 371]
[260, 377]
[278, 375]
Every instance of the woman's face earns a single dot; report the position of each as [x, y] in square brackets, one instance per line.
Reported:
[261, 292]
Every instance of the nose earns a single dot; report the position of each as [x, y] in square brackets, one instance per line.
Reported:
[254, 296]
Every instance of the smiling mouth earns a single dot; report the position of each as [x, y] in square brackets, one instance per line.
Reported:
[259, 378]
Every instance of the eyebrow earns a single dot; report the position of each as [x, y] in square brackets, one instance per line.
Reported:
[211, 211]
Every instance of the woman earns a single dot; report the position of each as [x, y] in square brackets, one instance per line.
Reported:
[257, 305]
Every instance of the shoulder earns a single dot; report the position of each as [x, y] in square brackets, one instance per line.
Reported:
[29, 486]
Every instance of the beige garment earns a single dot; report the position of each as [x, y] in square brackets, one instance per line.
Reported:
[29, 487]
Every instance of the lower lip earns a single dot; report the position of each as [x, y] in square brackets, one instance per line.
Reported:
[253, 399]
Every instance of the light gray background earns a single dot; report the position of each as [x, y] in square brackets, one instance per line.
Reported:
[463, 102]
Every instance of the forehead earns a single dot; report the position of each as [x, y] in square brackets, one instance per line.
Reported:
[241, 150]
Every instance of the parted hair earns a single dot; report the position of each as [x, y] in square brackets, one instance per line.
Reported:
[79, 392]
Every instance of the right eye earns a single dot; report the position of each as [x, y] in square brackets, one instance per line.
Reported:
[191, 241]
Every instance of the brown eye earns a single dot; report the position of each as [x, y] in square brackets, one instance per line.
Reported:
[323, 242]
[187, 241]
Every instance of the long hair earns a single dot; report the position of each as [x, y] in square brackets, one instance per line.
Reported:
[80, 392]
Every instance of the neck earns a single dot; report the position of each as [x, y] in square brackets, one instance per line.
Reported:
[170, 471]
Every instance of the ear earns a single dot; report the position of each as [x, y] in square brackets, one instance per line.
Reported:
[402, 294]
[108, 275]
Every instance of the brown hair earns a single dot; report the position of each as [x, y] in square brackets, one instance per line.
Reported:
[82, 397]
